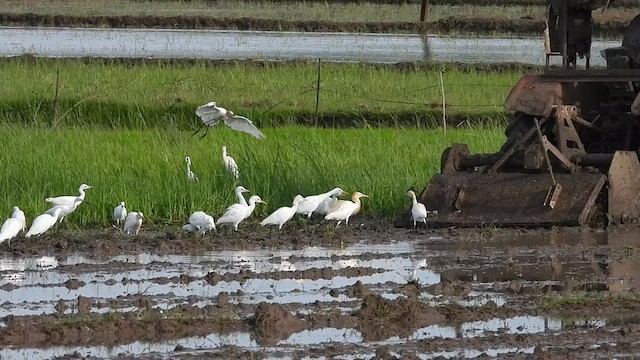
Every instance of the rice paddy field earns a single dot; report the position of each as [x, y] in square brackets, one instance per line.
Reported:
[369, 290]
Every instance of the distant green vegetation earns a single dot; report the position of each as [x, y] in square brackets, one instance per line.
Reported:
[146, 168]
[141, 95]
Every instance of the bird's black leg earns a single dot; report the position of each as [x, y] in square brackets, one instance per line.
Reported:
[205, 133]
[200, 128]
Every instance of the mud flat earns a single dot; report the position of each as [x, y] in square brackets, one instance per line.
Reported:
[318, 292]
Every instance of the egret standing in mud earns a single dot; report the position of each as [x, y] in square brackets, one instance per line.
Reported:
[190, 174]
[311, 203]
[119, 214]
[344, 209]
[43, 222]
[230, 163]
[65, 210]
[12, 226]
[418, 210]
[70, 199]
[210, 114]
[283, 214]
[133, 222]
[236, 213]
[200, 222]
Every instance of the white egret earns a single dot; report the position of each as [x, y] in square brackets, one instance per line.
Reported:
[344, 209]
[133, 222]
[65, 209]
[238, 212]
[211, 115]
[283, 214]
[43, 222]
[12, 226]
[417, 265]
[230, 163]
[311, 203]
[200, 222]
[190, 174]
[239, 191]
[325, 206]
[119, 213]
[69, 200]
[418, 210]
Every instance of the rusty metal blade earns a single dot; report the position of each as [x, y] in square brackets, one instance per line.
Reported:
[510, 199]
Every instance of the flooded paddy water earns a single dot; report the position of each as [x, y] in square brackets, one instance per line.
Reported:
[349, 294]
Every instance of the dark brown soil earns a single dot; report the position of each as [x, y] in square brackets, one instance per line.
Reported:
[612, 25]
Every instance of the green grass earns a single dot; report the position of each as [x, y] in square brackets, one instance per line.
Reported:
[146, 168]
[140, 95]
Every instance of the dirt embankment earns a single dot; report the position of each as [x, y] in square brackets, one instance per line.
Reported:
[606, 25]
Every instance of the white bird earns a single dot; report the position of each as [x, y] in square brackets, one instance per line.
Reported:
[238, 212]
[65, 209]
[239, 191]
[418, 210]
[12, 226]
[43, 222]
[325, 206]
[283, 214]
[119, 213]
[211, 114]
[69, 200]
[311, 203]
[200, 222]
[190, 174]
[133, 222]
[417, 265]
[230, 163]
[344, 209]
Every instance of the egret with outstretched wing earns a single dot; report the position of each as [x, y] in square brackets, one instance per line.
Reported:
[211, 114]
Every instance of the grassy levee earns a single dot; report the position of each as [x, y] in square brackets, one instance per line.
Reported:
[146, 168]
[158, 94]
[126, 128]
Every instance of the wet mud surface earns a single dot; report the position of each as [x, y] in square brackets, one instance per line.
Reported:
[607, 25]
[368, 291]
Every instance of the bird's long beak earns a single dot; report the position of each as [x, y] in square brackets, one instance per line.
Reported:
[363, 195]
[246, 190]
[342, 193]
[89, 186]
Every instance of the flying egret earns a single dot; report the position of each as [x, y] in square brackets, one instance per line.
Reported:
[200, 222]
[133, 222]
[119, 213]
[190, 174]
[69, 200]
[65, 209]
[418, 210]
[311, 203]
[238, 212]
[283, 214]
[230, 163]
[211, 114]
[43, 222]
[12, 226]
[344, 209]
[239, 191]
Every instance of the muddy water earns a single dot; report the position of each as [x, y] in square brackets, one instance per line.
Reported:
[502, 271]
[265, 45]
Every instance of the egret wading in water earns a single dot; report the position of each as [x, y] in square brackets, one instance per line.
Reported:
[418, 210]
[230, 163]
[12, 226]
[133, 222]
[200, 222]
[344, 209]
[70, 199]
[190, 174]
[283, 214]
[236, 213]
[210, 114]
[311, 203]
[119, 214]
[43, 222]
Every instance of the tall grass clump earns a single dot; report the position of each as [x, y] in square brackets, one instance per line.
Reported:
[159, 94]
[146, 168]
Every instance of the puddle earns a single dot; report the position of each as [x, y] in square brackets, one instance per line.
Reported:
[33, 286]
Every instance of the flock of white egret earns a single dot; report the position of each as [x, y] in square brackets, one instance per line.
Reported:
[326, 204]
